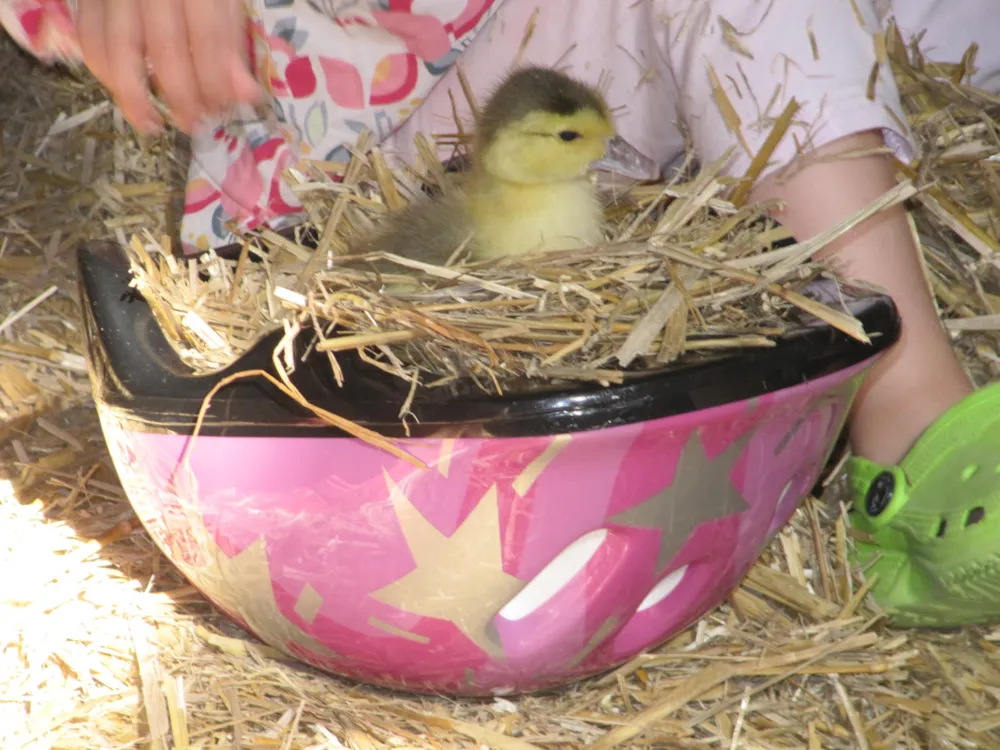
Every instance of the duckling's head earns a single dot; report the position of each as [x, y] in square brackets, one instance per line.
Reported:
[541, 126]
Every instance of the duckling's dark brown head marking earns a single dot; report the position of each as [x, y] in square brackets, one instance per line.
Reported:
[536, 89]
[541, 126]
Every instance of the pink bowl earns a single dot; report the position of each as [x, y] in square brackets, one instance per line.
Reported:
[538, 547]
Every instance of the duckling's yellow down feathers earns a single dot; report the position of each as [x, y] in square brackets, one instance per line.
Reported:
[528, 189]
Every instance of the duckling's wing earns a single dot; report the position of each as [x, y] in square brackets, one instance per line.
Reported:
[428, 230]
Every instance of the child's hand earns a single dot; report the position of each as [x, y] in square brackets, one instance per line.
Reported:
[196, 50]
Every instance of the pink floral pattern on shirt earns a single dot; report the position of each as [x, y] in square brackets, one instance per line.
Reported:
[43, 27]
[334, 67]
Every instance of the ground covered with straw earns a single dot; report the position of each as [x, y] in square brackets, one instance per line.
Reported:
[104, 645]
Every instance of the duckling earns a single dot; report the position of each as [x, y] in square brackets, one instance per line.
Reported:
[527, 189]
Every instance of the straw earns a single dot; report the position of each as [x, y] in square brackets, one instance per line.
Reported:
[104, 645]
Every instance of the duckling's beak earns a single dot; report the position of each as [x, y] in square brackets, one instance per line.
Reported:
[622, 158]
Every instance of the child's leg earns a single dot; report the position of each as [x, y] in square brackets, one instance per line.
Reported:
[925, 478]
[921, 377]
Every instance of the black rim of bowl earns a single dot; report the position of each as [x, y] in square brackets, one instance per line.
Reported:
[137, 377]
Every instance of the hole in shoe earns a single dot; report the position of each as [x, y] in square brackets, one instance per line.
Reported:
[975, 516]
[969, 472]
[942, 529]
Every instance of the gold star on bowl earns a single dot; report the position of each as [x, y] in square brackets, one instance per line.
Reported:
[458, 578]
[242, 585]
[700, 491]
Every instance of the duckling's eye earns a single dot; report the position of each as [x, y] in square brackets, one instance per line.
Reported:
[569, 135]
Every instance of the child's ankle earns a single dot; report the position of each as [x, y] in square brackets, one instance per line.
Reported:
[886, 423]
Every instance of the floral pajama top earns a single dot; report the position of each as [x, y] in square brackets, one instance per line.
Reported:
[334, 67]
[338, 67]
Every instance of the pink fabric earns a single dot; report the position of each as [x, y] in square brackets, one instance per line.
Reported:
[388, 66]
[43, 27]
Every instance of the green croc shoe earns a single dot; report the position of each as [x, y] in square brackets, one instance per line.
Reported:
[932, 524]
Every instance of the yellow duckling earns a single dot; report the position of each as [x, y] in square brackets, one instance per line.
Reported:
[527, 189]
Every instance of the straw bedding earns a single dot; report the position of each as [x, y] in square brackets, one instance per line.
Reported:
[685, 275]
[103, 645]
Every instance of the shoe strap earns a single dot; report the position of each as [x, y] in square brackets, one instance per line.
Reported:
[878, 492]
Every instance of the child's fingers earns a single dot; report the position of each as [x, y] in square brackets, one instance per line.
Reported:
[216, 31]
[243, 77]
[91, 31]
[196, 50]
[167, 46]
[125, 47]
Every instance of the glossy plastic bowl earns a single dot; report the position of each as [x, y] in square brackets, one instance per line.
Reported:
[553, 536]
